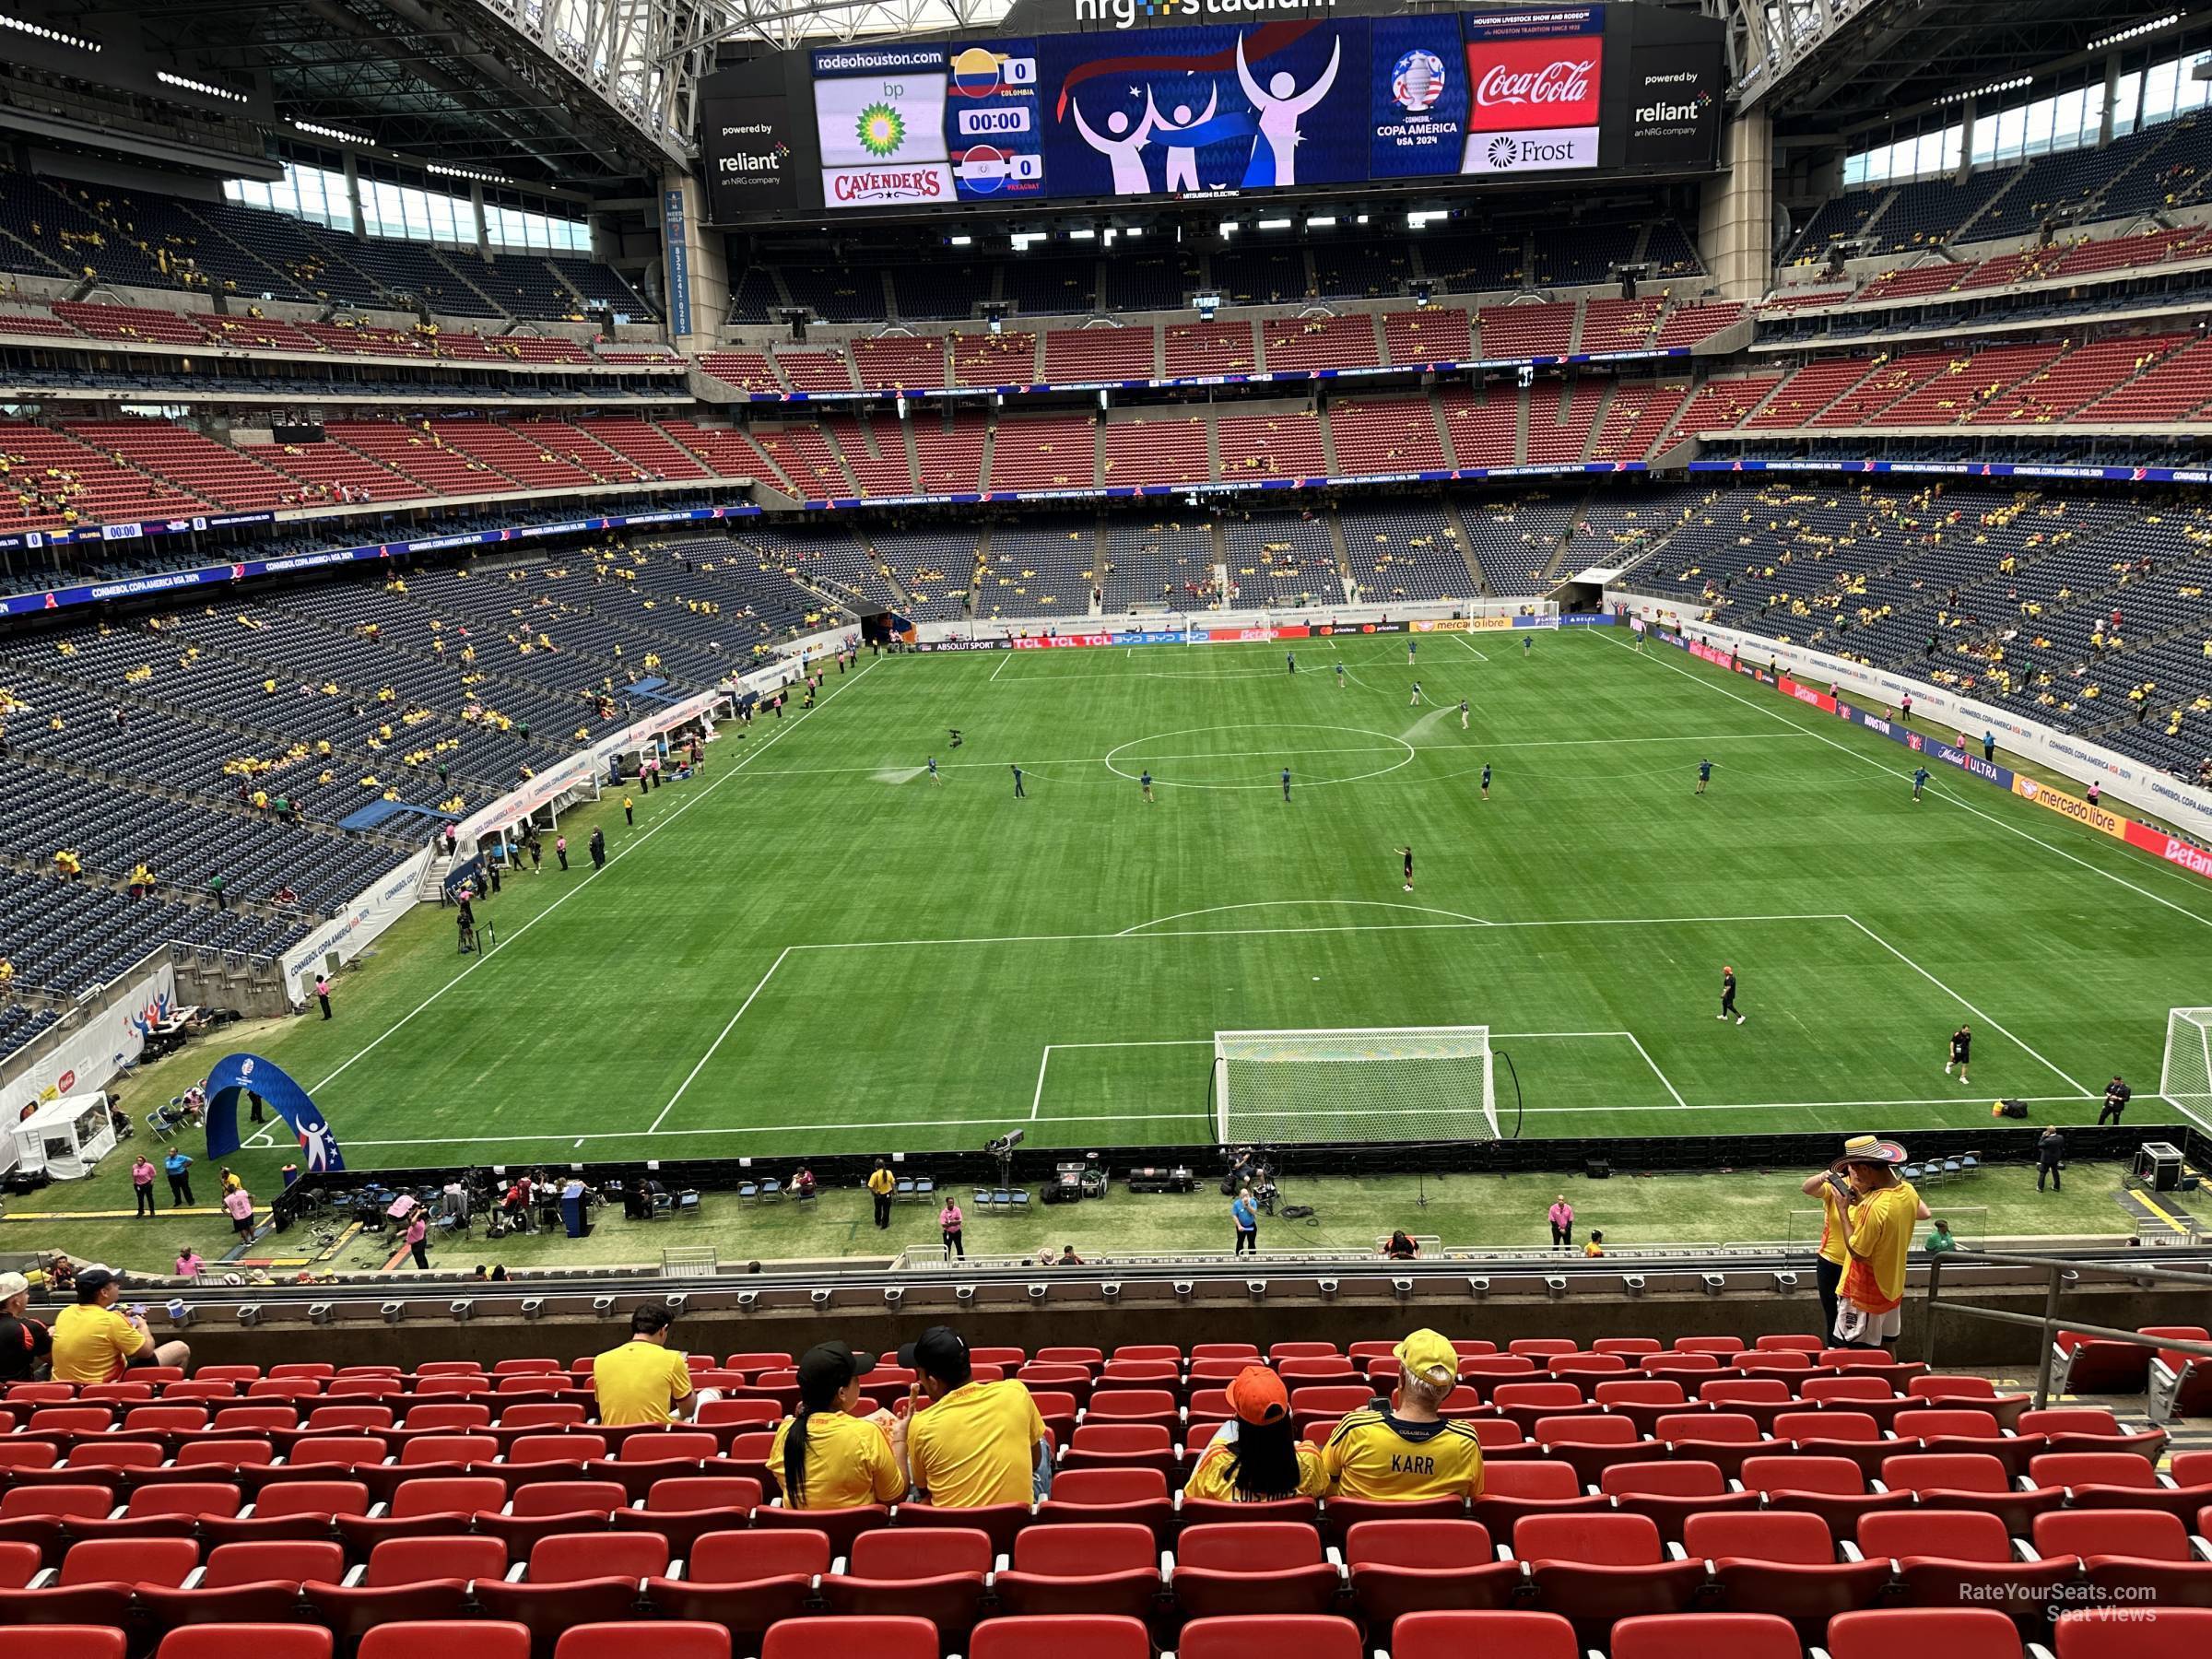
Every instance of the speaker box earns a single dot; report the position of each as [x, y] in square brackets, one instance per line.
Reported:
[1598, 1169]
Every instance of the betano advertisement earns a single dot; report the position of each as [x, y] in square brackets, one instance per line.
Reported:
[1255, 104]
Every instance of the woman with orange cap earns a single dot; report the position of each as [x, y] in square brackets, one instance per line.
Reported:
[1259, 1457]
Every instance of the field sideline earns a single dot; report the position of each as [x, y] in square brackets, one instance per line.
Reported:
[818, 949]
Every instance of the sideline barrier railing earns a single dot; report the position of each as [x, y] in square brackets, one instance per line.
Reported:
[2059, 1273]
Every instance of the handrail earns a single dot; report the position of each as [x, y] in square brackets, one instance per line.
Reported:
[2055, 1270]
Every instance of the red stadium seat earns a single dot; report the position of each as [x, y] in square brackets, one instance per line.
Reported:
[1955, 1632]
[1594, 1570]
[262, 1640]
[1241, 1569]
[744, 1582]
[1669, 1493]
[2133, 1633]
[934, 1573]
[1705, 1636]
[1782, 1565]
[1399, 1568]
[423, 1578]
[669, 1639]
[1064, 1636]
[1507, 1635]
[576, 1578]
[1107, 1568]
[1950, 1559]
[1136, 1495]
[1264, 1636]
[73, 1642]
[880, 1638]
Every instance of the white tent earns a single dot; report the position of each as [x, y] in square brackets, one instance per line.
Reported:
[65, 1139]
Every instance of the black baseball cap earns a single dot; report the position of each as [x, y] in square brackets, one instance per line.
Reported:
[92, 1281]
[941, 1351]
[831, 1365]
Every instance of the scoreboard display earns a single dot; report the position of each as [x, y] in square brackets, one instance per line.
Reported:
[1183, 113]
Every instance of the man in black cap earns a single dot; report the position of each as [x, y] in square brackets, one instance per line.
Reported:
[95, 1343]
[977, 1443]
[828, 1455]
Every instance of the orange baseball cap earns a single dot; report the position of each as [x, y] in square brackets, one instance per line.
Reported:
[1257, 1396]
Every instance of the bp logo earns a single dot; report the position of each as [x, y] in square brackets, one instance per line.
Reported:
[1503, 152]
[882, 130]
[1416, 81]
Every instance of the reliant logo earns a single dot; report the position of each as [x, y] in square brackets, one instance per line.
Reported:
[1133, 14]
[748, 161]
[1657, 113]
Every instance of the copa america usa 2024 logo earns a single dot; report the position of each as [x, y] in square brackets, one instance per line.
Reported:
[1416, 81]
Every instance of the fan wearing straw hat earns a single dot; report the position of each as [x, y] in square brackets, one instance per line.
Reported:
[1878, 1219]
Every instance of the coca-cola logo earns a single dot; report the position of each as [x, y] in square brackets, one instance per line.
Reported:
[1560, 82]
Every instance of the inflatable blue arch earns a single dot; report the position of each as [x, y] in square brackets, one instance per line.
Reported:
[228, 1083]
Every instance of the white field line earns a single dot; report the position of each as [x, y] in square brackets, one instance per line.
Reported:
[692, 1076]
[614, 857]
[1004, 658]
[1655, 1071]
[1144, 1117]
[1480, 655]
[1963, 1001]
[1232, 933]
[1943, 795]
[1215, 910]
[1354, 748]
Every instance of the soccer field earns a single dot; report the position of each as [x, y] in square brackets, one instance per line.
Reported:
[816, 948]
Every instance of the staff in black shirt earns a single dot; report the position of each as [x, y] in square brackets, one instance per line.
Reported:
[2116, 1096]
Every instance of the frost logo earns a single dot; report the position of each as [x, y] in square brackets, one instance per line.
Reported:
[1502, 153]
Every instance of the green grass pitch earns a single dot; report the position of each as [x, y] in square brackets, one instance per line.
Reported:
[817, 948]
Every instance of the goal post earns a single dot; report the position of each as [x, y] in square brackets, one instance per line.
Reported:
[1366, 1083]
[2186, 1073]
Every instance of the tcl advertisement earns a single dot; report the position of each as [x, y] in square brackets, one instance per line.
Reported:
[1533, 80]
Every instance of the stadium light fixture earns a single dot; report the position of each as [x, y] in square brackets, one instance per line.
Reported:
[1024, 239]
[1271, 223]
[53, 37]
[1084, 234]
[185, 83]
[959, 242]
[446, 170]
[1327, 221]
[2150, 26]
[1360, 220]
[315, 129]
[1134, 231]
[1421, 218]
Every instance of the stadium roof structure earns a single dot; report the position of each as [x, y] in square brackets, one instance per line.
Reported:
[1838, 65]
[594, 95]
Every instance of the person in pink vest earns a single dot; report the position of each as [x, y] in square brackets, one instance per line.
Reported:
[949, 1222]
[1562, 1223]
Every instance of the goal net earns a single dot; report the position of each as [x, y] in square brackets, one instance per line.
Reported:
[2186, 1074]
[1376, 1083]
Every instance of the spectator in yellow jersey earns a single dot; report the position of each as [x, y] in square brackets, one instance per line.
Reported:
[1833, 1256]
[1406, 1451]
[645, 1381]
[826, 1455]
[1259, 1457]
[94, 1343]
[976, 1444]
[1880, 1214]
